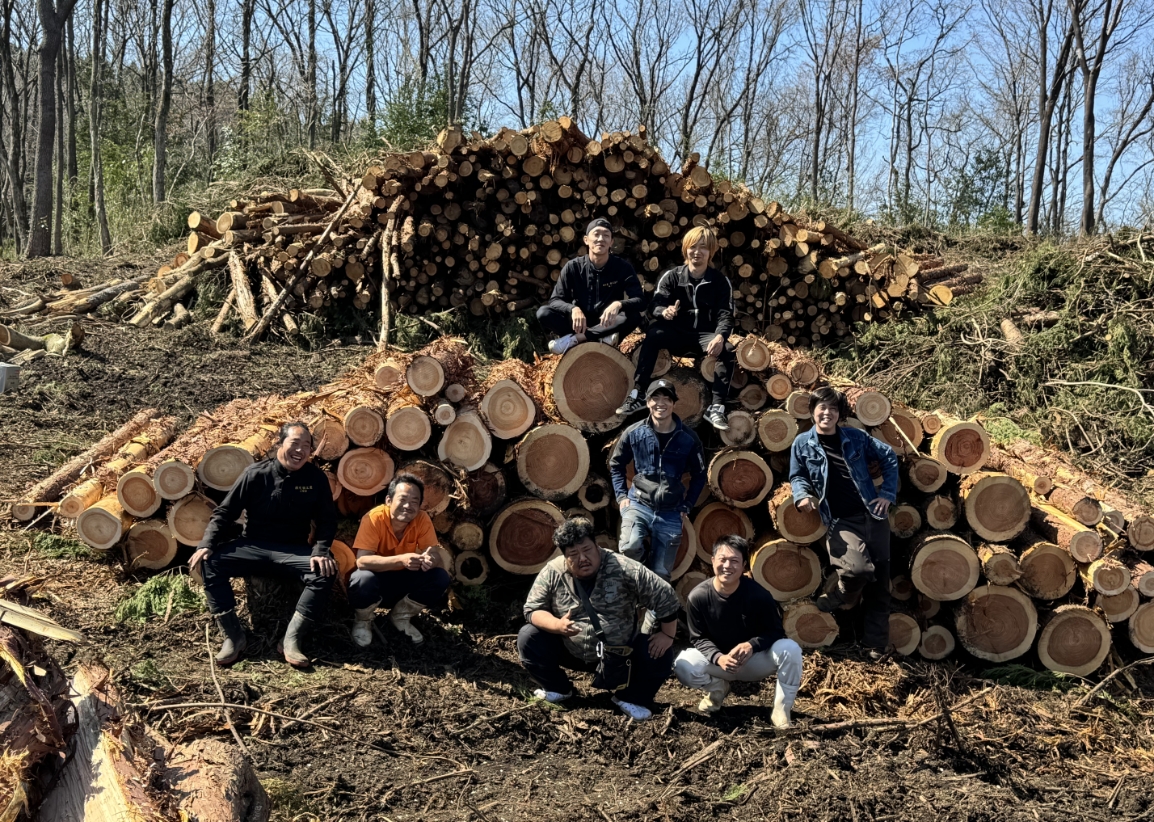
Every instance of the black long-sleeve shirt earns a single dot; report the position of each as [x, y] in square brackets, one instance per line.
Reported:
[706, 303]
[717, 623]
[591, 289]
[280, 506]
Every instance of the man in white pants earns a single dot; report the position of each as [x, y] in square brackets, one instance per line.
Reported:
[735, 628]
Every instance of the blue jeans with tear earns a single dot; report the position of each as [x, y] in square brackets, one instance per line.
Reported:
[663, 528]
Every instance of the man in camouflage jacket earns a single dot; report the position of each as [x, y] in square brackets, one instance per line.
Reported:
[560, 632]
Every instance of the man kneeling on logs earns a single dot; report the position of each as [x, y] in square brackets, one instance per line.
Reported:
[601, 288]
[661, 449]
[693, 313]
[731, 611]
[829, 473]
[282, 498]
[582, 615]
[394, 566]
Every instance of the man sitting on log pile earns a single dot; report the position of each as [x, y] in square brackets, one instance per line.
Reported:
[282, 497]
[731, 611]
[693, 312]
[829, 473]
[582, 615]
[600, 286]
[661, 449]
[394, 565]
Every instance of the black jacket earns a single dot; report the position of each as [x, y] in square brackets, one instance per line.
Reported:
[706, 304]
[591, 289]
[280, 506]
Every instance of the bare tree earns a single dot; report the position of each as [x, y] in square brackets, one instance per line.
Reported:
[644, 54]
[1132, 124]
[163, 105]
[1052, 72]
[95, 115]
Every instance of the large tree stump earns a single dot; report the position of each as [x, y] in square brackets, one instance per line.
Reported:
[715, 521]
[466, 442]
[188, 518]
[997, 623]
[905, 633]
[997, 506]
[963, 447]
[944, 567]
[521, 537]
[802, 528]
[591, 381]
[740, 478]
[1084, 544]
[808, 626]
[485, 490]
[553, 461]
[151, 544]
[1048, 571]
[937, 642]
[1074, 640]
[777, 430]
[786, 570]
[365, 471]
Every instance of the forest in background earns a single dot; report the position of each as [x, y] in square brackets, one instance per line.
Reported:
[1031, 115]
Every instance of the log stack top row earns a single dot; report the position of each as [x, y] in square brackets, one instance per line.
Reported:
[509, 450]
[486, 224]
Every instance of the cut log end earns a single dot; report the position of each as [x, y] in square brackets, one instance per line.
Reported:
[364, 426]
[808, 626]
[997, 623]
[997, 506]
[937, 643]
[1075, 640]
[1048, 572]
[786, 570]
[1141, 628]
[221, 467]
[508, 410]
[962, 447]
[102, 525]
[715, 521]
[944, 567]
[521, 537]
[905, 634]
[589, 384]
[137, 494]
[553, 461]
[151, 545]
[188, 518]
[365, 471]
[408, 428]
[800, 527]
[740, 478]
[466, 442]
[471, 568]
[173, 479]
[777, 430]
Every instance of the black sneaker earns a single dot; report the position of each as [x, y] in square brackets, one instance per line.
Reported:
[633, 403]
[716, 417]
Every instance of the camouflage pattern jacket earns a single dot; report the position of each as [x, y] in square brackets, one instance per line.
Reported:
[623, 586]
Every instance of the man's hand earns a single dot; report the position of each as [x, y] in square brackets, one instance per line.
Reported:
[671, 311]
[880, 506]
[621, 506]
[806, 505]
[578, 320]
[659, 644]
[324, 566]
[433, 559]
[716, 346]
[413, 562]
[609, 315]
[198, 556]
[566, 626]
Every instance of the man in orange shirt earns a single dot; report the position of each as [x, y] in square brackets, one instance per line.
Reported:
[394, 567]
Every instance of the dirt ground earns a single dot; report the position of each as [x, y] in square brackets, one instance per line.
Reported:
[446, 732]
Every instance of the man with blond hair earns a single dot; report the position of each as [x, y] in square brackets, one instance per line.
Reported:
[692, 310]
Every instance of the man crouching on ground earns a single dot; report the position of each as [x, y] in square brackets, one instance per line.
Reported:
[283, 497]
[735, 628]
[582, 615]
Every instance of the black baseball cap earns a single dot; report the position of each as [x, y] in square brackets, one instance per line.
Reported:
[664, 386]
[600, 222]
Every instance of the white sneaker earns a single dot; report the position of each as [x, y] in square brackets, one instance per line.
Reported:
[637, 713]
[551, 696]
[562, 344]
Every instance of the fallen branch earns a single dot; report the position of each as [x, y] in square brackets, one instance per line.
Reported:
[1135, 391]
[216, 682]
[1106, 681]
[880, 722]
[391, 791]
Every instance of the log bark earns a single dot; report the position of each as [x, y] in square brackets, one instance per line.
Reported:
[1036, 483]
[740, 478]
[553, 461]
[1077, 505]
[212, 781]
[49, 490]
[1083, 544]
[521, 537]
[997, 507]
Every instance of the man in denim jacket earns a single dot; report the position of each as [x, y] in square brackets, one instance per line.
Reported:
[661, 449]
[829, 473]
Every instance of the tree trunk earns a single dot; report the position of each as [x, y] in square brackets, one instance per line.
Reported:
[164, 103]
[1083, 544]
[210, 86]
[999, 564]
[590, 383]
[95, 115]
[370, 65]
[244, 90]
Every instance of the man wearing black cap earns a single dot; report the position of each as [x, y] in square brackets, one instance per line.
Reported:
[597, 298]
[662, 449]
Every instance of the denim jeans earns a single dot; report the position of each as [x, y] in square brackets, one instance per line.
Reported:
[663, 528]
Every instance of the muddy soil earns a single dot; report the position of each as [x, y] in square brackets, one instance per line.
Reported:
[447, 733]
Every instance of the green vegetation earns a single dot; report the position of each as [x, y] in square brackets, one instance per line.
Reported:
[1021, 676]
[164, 594]
[55, 546]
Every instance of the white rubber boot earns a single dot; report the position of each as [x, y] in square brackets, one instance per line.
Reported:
[402, 618]
[782, 706]
[363, 625]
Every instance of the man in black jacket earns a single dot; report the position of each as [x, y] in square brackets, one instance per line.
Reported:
[693, 313]
[283, 498]
[736, 633]
[661, 449]
[600, 288]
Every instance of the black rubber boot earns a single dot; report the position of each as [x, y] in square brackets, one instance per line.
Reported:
[291, 646]
[235, 639]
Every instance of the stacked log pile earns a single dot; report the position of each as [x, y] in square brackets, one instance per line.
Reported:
[1001, 550]
[487, 223]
